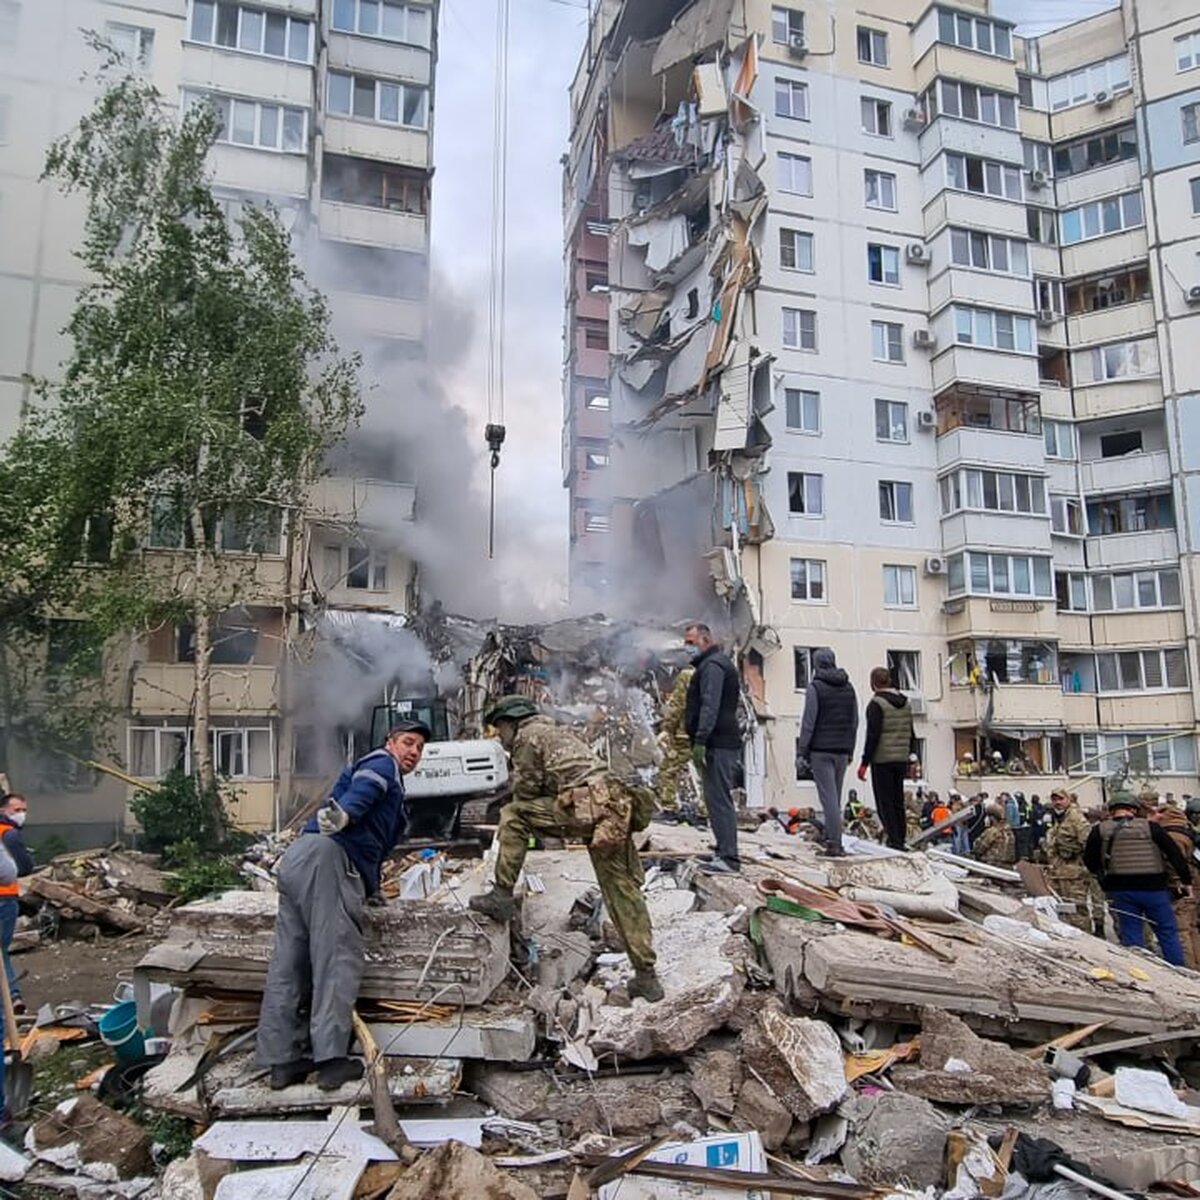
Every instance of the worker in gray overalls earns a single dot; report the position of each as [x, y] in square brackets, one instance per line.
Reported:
[325, 878]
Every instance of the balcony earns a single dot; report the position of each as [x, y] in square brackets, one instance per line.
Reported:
[1112, 324]
[1118, 550]
[364, 226]
[1079, 710]
[988, 368]
[1044, 261]
[1119, 398]
[361, 503]
[170, 571]
[1129, 472]
[993, 448]
[970, 137]
[1104, 253]
[1140, 628]
[268, 172]
[984, 616]
[378, 316]
[383, 59]
[1121, 176]
[1084, 118]
[368, 139]
[952, 62]
[217, 69]
[168, 689]
[967, 209]
[995, 530]
[1148, 710]
[984, 289]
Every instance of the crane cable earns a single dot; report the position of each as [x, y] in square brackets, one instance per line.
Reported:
[494, 432]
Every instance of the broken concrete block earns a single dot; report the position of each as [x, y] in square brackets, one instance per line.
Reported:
[455, 1171]
[757, 1108]
[716, 1078]
[506, 1034]
[700, 965]
[799, 1059]
[995, 1074]
[13, 1164]
[896, 1139]
[83, 1135]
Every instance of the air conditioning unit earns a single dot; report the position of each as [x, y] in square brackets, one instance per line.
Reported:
[926, 419]
[916, 704]
[914, 118]
[1103, 98]
[1193, 294]
[923, 339]
[1046, 316]
[797, 45]
[935, 565]
[1038, 179]
[917, 252]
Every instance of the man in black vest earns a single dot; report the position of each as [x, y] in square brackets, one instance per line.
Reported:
[828, 731]
[711, 723]
[1129, 855]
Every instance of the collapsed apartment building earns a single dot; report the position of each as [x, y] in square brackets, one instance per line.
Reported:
[876, 339]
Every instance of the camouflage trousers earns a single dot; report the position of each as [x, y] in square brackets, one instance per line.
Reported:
[618, 868]
[1189, 935]
[1074, 882]
[675, 785]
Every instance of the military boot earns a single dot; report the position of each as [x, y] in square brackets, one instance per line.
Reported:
[646, 985]
[497, 904]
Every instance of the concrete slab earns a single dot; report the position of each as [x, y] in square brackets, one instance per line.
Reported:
[497, 1035]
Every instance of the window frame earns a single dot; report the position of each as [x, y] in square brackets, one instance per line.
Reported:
[986, 329]
[795, 88]
[970, 239]
[1192, 37]
[886, 329]
[963, 564]
[877, 50]
[876, 117]
[883, 180]
[896, 489]
[355, 80]
[812, 487]
[786, 158]
[290, 20]
[900, 571]
[1114, 80]
[799, 237]
[998, 33]
[144, 37]
[990, 170]
[425, 44]
[779, 10]
[805, 326]
[813, 575]
[802, 667]
[889, 421]
[225, 128]
[802, 408]
[881, 252]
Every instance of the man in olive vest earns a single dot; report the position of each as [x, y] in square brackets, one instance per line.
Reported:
[1065, 841]
[888, 744]
[1129, 855]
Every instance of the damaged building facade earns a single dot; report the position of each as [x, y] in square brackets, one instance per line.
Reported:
[875, 339]
[326, 111]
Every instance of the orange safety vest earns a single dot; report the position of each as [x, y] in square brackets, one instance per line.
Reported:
[14, 888]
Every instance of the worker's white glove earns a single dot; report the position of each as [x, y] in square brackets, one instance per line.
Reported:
[332, 818]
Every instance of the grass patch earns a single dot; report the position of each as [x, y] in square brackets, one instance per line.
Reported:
[54, 1078]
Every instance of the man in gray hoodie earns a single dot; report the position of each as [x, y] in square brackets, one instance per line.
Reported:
[828, 732]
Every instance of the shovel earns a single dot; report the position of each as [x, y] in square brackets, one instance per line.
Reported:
[18, 1074]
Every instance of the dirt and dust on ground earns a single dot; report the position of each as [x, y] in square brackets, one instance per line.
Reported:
[87, 972]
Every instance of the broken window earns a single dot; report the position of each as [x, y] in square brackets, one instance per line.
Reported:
[366, 569]
[72, 646]
[595, 334]
[250, 529]
[374, 184]
[596, 399]
[1130, 514]
[1113, 445]
[596, 460]
[905, 668]
[802, 666]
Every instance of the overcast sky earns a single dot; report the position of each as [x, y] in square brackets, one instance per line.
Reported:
[546, 40]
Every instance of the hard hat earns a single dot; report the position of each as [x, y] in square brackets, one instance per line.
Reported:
[410, 725]
[511, 708]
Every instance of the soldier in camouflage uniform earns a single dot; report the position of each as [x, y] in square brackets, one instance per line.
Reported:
[560, 790]
[1066, 872]
[674, 773]
[997, 844]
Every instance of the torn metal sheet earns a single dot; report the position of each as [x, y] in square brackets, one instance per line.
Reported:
[638, 373]
[321, 1178]
[281, 1141]
[697, 29]
[685, 371]
[733, 406]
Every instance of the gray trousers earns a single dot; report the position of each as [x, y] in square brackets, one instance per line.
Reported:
[317, 964]
[720, 770]
[828, 771]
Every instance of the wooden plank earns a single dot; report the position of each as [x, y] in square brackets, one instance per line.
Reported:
[66, 897]
[1136, 1043]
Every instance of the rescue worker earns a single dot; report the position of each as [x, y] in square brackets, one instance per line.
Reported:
[889, 741]
[674, 784]
[1065, 869]
[325, 878]
[996, 844]
[560, 789]
[13, 810]
[912, 815]
[859, 820]
[967, 766]
[1171, 818]
[1129, 855]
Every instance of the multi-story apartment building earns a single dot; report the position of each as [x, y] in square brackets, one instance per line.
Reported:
[326, 111]
[897, 363]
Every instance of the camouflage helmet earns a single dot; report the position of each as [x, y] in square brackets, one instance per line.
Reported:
[511, 708]
[1122, 798]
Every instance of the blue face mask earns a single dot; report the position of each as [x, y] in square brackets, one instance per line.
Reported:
[694, 652]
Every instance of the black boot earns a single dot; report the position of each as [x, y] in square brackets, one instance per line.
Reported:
[285, 1075]
[497, 904]
[334, 1072]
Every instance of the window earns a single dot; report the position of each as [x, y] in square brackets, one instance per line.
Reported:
[993, 330]
[1071, 592]
[1142, 670]
[253, 123]
[905, 666]
[1194, 184]
[376, 100]
[1100, 217]
[971, 103]
[872, 46]
[989, 252]
[238, 753]
[1086, 154]
[795, 250]
[595, 460]
[596, 400]
[974, 33]
[808, 580]
[249, 530]
[887, 341]
[876, 117]
[984, 409]
[786, 24]
[984, 574]
[883, 264]
[134, 43]
[891, 421]
[235, 27]
[966, 173]
[5, 110]
[1141, 753]
[166, 524]
[880, 189]
[1041, 226]
[795, 174]
[243, 753]
[1125, 285]
[1060, 439]
[394, 22]
[895, 501]
[595, 335]
[993, 491]
[1118, 360]
[899, 587]
[806, 494]
[373, 184]
[802, 666]
[1133, 590]
[1130, 514]
[72, 646]
[366, 570]
[1116, 445]
[597, 522]
[1191, 122]
[1081, 87]
[1037, 156]
[1187, 51]
[803, 410]
[1066, 515]
[800, 329]
[791, 99]
[10, 22]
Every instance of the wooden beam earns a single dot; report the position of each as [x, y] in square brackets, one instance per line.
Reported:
[60, 894]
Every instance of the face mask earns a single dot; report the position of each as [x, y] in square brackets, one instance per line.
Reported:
[694, 652]
[17, 819]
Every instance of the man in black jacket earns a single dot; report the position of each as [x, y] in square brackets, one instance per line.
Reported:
[711, 722]
[828, 731]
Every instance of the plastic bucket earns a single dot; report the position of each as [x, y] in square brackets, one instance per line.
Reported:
[119, 1029]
